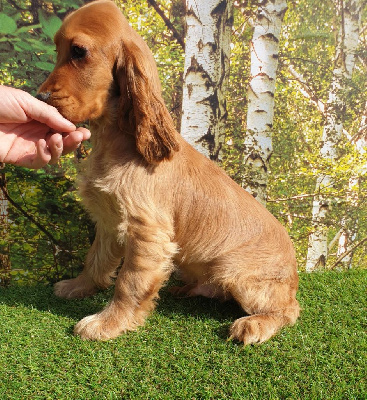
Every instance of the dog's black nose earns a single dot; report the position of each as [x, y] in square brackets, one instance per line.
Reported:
[43, 96]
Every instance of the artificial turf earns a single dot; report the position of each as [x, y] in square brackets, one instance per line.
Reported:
[182, 351]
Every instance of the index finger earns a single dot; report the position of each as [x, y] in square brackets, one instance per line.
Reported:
[48, 115]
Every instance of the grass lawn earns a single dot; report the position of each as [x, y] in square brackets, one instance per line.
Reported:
[182, 352]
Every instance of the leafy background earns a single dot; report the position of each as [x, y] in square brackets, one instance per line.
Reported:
[47, 232]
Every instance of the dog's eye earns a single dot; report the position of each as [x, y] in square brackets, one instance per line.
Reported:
[77, 52]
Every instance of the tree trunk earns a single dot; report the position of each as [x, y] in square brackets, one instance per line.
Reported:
[350, 221]
[260, 96]
[206, 74]
[5, 265]
[344, 60]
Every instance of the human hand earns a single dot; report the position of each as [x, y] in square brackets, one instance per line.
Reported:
[30, 131]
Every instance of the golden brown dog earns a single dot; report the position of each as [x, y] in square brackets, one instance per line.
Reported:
[155, 200]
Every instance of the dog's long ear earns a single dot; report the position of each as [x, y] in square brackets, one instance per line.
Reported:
[141, 101]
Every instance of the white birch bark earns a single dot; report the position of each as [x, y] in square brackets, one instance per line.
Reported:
[4, 225]
[260, 96]
[344, 60]
[206, 73]
[350, 221]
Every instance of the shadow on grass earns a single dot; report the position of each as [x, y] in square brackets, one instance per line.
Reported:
[200, 308]
[42, 298]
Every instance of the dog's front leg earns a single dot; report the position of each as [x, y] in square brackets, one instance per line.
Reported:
[147, 265]
[101, 263]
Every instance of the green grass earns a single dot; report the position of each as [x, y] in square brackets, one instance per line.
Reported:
[182, 352]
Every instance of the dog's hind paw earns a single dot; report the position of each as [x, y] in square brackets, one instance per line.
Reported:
[77, 288]
[255, 328]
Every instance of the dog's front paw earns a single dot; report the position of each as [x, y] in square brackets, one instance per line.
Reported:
[77, 288]
[98, 327]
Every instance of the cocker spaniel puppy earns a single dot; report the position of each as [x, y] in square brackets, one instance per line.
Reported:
[155, 200]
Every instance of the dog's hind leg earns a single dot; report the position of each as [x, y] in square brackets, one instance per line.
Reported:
[101, 263]
[271, 304]
[147, 265]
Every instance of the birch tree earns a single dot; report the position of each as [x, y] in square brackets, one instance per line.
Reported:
[260, 96]
[349, 223]
[344, 60]
[206, 74]
[4, 225]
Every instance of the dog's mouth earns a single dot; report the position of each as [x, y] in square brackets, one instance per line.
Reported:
[64, 105]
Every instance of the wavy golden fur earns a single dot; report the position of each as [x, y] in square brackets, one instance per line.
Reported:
[155, 200]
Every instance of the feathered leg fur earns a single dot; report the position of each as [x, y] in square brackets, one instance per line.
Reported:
[147, 265]
[101, 263]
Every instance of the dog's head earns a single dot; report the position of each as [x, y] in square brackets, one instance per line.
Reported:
[102, 62]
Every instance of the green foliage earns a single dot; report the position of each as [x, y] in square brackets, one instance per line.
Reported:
[48, 232]
[236, 98]
[182, 352]
[298, 128]
[26, 37]
[307, 43]
[7, 25]
[48, 196]
[167, 52]
[50, 24]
